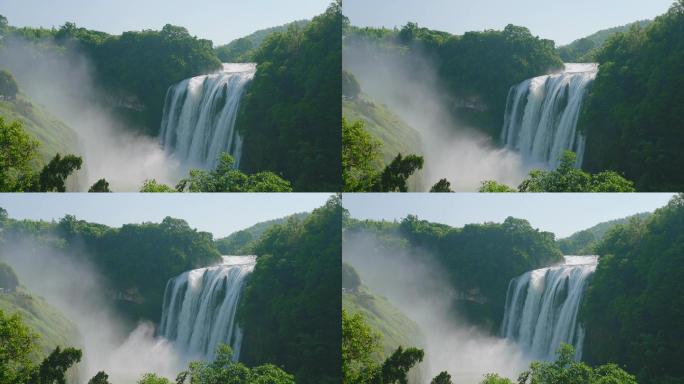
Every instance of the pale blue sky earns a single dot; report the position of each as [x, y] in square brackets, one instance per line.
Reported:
[562, 214]
[218, 20]
[220, 214]
[560, 20]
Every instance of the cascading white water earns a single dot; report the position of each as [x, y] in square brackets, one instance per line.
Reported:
[542, 113]
[542, 305]
[200, 305]
[199, 116]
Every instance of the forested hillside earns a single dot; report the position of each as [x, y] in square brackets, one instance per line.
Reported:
[136, 260]
[479, 259]
[290, 116]
[633, 114]
[296, 282]
[585, 241]
[476, 69]
[583, 50]
[243, 241]
[134, 69]
[241, 49]
[633, 305]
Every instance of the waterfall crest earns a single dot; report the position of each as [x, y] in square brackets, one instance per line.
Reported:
[542, 306]
[200, 305]
[198, 121]
[542, 113]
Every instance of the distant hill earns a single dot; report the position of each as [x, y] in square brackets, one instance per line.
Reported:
[581, 50]
[238, 243]
[583, 242]
[240, 49]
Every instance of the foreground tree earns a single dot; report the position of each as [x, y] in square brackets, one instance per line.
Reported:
[565, 370]
[18, 159]
[360, 343]
[223, 370]
[566, 178]
[361, 167]
[53, 176]
[100, 186]
[225, 178]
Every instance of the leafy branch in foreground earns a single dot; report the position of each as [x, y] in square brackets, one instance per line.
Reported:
[18, 159]
[225, 178]
[362, 169]
[566, 178]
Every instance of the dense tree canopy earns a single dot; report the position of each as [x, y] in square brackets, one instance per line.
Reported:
[297, 282]
[480, 259]
[476, 66]
[290, 115]
[633, 114]
[8, 279]
[634, 300]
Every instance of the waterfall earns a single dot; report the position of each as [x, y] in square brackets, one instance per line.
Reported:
[542, 113]
[198, 122]
[200, 305]
[542, 305]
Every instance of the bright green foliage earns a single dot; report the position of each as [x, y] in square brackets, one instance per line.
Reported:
[223, 370]
[8, 279]
[359, 343]
[152, 185]
[17, 152]
[226, 178]
[493, 186]
[360, 157]
[443, 185]
[290, 115]
[16, 345]
[565, 370]
[100, 378]
[493, 378]
[633, 302]
[633, 114]
[53, 176]
[297, 282]
[100, 186]
[8, 86]
[151, 378]
[566, 178]
[443, 378]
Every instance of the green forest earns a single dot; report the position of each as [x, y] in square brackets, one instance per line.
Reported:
[288, 309]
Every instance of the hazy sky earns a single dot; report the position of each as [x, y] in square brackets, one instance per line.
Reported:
[562, 214]
[218, 20]
[561, 21]
[220, 214]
